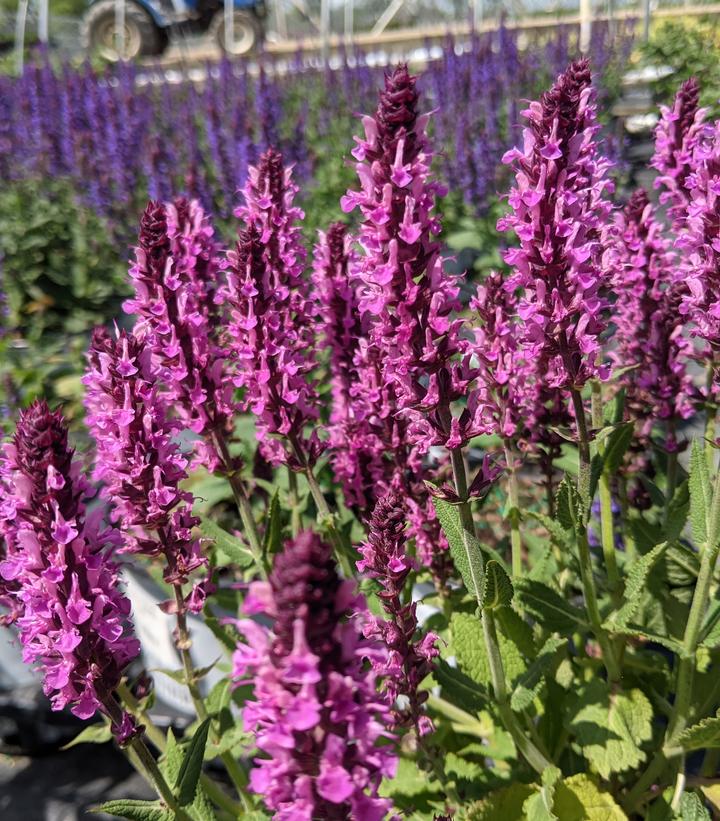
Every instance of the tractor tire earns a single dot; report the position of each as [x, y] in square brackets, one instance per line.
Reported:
[142, 36]
[246, 34]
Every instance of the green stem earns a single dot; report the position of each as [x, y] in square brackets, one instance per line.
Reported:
[583, 447]
[537, 760]
[514, 498]
[157, 737]
[242, 500]
[294, 502]
[710, 416]
[183, 644]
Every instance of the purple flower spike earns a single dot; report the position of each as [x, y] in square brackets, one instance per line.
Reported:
[272, 322]
[73, 619]
[558, 211]
[176, 278]
[317, 716]
[138, 460]
[409, 661]
[649, 332]
[676, 135]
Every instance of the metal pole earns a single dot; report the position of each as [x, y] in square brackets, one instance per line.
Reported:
[229, 12]
[120, 28]
[585, 25]
[349, 20]
[325, 28]
[477, 10]
[280, 21]
[646, 20]
[20, 22]
[43, 21]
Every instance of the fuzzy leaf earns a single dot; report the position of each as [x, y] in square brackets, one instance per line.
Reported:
[94, 734]
[222, 633]
[611, 728]
[465, 550]
[700, 493]
[548, 607]
[701, 736]
[539, 807]
[710, 632]
[136, 810]
[506, 804]
[638, 632]
[557, 532]
[468, 646]
[616, 445]
[634, 586]
[578, 798]
[170, 765]
[568, 504]
[232, 547]
[677, 513]
[187, 778]
[229, 740]
[497, 589]
[692, 808]
[219, 697]
[458, 688]
[531, 680]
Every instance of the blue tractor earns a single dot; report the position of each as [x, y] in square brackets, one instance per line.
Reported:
[126, 29]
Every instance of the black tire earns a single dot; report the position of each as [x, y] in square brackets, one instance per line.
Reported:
[247, 33]
[142, 36]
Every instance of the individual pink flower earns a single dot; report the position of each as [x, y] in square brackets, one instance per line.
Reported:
[559, 208]
[271, 330]
[176, 279]
[138, 459]
[73, 619]
[318, 720]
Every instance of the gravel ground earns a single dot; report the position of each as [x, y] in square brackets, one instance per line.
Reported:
[62, 786]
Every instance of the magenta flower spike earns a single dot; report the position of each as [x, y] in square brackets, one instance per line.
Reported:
[176, 279]
[649, 326]
[676, 135]
[699, 275]
[139, 461]
[406, 296]
[271, 332]
[559, 209]
[318, 721]
[409, 661]
[73, 618]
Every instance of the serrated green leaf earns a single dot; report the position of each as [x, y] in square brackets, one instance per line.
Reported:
[703, 735]
[497, 588]
[700, 493]
[272, 540]
[677, 513]
[531, 680]
[710, 633]
[578, 798]
[548, 607]
[468, 646]
[175, 675]
[506, 804]
[557, 532]
[539, 807]
[634, 586]
[187, 778]
[692, 808]
[567, 504]
[219, 697]
[611, 727]
[94, 734]
[458, 688]
[616, 444]
[232, 547]
[170, 764]
[648, 635]
[229, 740]
[136, 810]
[464, 548]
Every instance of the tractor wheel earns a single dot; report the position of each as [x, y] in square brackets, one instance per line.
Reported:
[142, 38]
[244, 37]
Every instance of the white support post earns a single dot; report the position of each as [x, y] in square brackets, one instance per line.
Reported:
[229, 12]
[280, 20]
[325, 28]
[387, 16]
[20, 23]
[349, 20]
[43, 24]
[477, 13]
[646, 20]
[120, 28]
[585, 25]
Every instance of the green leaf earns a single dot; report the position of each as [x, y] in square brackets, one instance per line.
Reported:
[170, 765]
[497, 590]
[221, 633]
[634, 586]
[136, 810]
[692, 808]
[94, 734]
[638, 632]
[506, 804]
[219, 697]
[458, 688]
[175, 675]
[233, 548]
[700, 493]
[568, 504]
[272, 540]
[616, 445]
[578, 798]
[468, 646]
[611, 727]
[703, 735]
[677, 513]
[464, 548]
[187, 779]
[531, 680]
[558, 533]
[229, 740]
[539, 807]
[548, 607]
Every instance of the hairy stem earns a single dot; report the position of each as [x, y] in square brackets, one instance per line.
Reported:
[513, 496]
[583, 446]
[294, 502]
